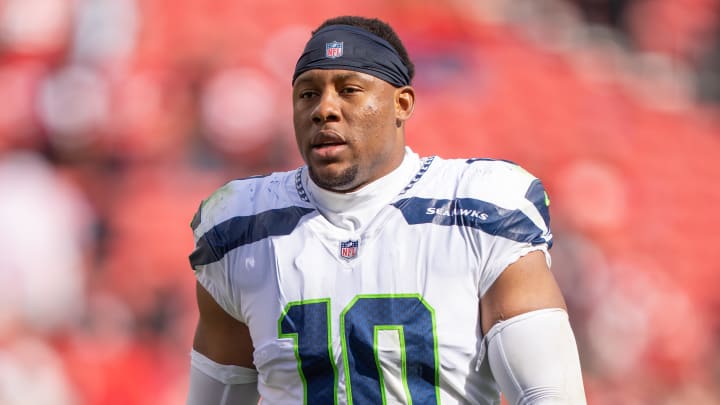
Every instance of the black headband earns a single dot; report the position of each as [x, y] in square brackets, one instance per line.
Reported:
[351, 48]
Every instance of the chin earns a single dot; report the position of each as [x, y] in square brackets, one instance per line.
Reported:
[343, 180]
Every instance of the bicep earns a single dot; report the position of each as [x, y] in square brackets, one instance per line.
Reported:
[219, 336]
[525, 286]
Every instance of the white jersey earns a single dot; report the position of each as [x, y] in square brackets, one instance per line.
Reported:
[385, 314]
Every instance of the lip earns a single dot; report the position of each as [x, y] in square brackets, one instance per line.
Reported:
[326, 137]
[328, 152]
[327, 144]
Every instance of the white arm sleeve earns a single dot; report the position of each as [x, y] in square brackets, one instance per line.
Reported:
[534, 359]
[212, 383]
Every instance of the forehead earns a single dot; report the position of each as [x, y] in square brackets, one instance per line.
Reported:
[337, 75]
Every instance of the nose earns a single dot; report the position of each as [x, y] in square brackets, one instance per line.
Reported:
[327, 108]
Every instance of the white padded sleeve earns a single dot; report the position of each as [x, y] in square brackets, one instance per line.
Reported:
[212, 383]
[534, 359]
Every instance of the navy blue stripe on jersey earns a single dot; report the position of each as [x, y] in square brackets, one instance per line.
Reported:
[196, 218]
[473, 160]
[476, 214]
[299, 187]
[257, 176]
[241, 230]
[425, 166]
[536, 195]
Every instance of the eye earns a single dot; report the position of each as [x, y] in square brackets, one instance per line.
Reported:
[306, 94]
[349, 90]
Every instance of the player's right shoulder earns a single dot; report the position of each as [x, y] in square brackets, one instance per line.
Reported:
[242, 197]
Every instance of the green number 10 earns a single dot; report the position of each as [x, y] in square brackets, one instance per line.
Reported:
[308, 324]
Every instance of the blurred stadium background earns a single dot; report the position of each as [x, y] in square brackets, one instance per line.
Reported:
[119, 116]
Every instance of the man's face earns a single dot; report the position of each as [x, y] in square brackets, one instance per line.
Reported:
[346, 127]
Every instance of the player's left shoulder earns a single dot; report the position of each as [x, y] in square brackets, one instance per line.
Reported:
[499, 175]
[507, 185]
[478, 169]
[503, 183]
[499, 169]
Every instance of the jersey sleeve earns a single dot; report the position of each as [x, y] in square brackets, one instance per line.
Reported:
[520, 221]
[208, 259]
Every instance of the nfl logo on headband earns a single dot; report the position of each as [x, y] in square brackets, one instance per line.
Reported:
[333, 49]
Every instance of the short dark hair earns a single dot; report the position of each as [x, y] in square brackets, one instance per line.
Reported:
[377, 27]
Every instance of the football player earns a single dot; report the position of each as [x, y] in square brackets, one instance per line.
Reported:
[371, 275]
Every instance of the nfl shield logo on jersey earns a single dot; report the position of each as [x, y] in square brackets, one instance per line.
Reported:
[349, 249]
[333, 49]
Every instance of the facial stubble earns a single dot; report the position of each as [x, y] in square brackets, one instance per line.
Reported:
[341, 182]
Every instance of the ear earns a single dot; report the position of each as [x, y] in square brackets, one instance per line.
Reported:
[404, 103]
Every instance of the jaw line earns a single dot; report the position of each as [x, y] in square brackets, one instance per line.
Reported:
[344, 181]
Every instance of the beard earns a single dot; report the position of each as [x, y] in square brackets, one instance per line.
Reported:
[343, 181]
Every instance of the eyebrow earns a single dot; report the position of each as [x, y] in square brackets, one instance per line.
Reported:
[348, 75]
[302, 80]
[339, 76]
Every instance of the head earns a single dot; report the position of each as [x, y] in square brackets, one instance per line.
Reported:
[351, 98]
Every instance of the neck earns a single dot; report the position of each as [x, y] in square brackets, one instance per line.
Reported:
[353, 209]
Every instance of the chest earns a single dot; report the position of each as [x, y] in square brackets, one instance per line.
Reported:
[390, 256]
[366, 301]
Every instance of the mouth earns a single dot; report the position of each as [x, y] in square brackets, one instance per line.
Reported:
[327, 144]
[328, 151]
